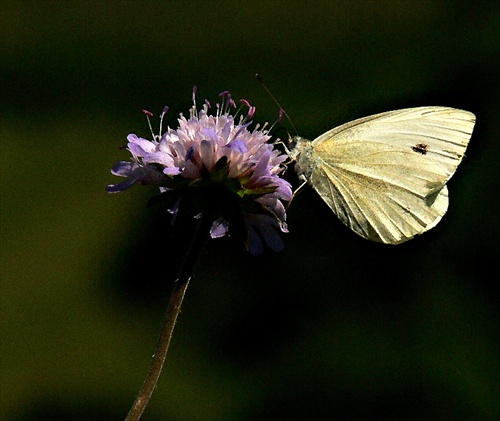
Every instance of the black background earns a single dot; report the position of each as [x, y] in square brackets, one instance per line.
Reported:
[333, 327]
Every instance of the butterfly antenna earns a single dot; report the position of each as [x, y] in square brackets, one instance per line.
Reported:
[259, 79]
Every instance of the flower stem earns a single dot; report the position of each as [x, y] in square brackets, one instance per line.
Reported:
[153, 375]
[173, 310]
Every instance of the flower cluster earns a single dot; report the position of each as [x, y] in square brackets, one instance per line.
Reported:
[220, 160]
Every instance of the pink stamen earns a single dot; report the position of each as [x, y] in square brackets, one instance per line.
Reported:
[149, 114]
[246, 103]
[251, 112]
[280, 115]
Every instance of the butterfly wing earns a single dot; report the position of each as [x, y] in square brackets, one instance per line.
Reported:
[385, 175]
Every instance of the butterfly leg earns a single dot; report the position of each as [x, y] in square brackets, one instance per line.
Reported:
[302, 178]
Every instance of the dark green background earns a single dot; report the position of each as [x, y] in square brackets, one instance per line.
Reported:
[333, 327]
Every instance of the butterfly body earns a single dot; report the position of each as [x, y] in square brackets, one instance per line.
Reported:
[385, 175]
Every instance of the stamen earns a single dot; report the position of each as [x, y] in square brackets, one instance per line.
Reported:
[251, 112]
[194, 111]
[195, 88]
[246, 103]
[280, 117]
[149, 114]
[263, 128]
[165, 109]
[225, 108]
[226, 101]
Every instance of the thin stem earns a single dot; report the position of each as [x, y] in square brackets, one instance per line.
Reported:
[174, 307]
[173, 310]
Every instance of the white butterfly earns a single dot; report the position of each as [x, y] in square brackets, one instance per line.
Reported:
[385, 175]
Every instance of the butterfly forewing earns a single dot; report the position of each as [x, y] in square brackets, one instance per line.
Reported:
[385, 175]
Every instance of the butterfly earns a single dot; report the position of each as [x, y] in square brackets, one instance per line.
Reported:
[385, 175]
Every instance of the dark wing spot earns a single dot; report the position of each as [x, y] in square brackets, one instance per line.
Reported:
[421, 148]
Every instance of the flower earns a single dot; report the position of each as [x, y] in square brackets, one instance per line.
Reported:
[213, 163]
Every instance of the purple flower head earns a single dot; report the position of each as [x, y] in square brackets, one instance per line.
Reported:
[216, 164]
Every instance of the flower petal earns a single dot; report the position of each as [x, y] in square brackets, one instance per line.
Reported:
[117, 188]
[139, 146]
[124, 168]
[238, 145]
[219, 228]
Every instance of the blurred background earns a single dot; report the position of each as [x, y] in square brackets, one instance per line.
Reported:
[333, 327]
